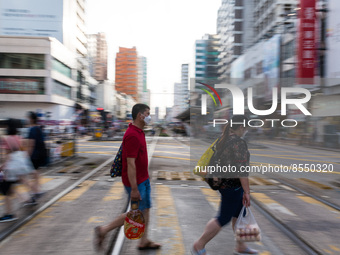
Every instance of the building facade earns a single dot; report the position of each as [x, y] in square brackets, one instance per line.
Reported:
[36, 74]
[63, 20]
[234, 27]
[206, 58]
[97, 56]
[126, 80]
[143, 91]
[270, 16]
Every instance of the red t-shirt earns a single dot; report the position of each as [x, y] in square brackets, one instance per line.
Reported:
[134, 146]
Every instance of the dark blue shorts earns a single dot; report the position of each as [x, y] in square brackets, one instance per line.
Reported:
[145, 193]
[231, 204]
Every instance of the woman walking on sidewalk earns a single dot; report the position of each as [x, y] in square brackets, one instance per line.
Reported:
[16, 168]
[235, 192]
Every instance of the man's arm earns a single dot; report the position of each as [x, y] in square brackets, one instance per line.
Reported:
[131, 171]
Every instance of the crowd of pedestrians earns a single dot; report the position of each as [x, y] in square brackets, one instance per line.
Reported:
[23, 156]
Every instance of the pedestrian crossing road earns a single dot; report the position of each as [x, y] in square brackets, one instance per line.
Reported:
[182, 205]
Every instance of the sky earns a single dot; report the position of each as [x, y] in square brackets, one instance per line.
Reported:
[163, 31]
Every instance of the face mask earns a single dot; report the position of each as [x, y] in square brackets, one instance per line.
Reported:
[147, 120]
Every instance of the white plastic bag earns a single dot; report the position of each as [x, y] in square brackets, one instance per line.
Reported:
[18, 164]
[246, 227]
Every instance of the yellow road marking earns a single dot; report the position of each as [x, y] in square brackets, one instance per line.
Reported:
[271, 204]
[95, 219]
[175, 146]
[97, 146]
[21, 189]
[212, 196]
[316, 184]
[265, 253]
[168, 220]
[313, 201]
[329, 252]
[77, 192]
[170, 152]
[96, 152]
[305, 170]
[116, 192]
[294, 155]
[270, 156]
[171, 157]
[103, 141]
[334, 248]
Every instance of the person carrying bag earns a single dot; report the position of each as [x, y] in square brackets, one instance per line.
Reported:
[16, 167]
[230, 152]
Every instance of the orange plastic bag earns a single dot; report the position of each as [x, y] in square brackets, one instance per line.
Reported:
[134, 224]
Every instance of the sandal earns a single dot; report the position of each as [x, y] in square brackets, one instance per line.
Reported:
[150, 246]
[200, 252]
[98, 239]
[246, 252]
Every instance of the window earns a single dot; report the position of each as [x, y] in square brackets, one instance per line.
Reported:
[61, 89]
[21, 85]
[61, 68]
[22, 61]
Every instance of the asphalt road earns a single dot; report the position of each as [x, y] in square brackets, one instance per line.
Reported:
[182, 204]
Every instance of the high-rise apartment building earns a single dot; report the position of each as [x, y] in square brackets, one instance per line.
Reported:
[185, 75]
[143, 92]
[127, 72]
[97, 55]
[234, 26]
[206, 58]
[269, 16]
[181, 92]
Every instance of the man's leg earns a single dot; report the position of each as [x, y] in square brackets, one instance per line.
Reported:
[144, 240]
[117, 222]
[101, 231]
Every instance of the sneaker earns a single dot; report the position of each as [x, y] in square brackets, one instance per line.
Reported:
[31, 201]
[8, 218]
[39, 194]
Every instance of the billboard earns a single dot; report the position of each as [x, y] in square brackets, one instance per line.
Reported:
[333, 40]
[32, 18]
[306, 43]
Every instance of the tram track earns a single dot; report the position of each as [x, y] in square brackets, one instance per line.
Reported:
[289, 231]
[301, 242]
[11, 229]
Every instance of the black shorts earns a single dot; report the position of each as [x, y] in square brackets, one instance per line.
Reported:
[5, 187]
[36, 163]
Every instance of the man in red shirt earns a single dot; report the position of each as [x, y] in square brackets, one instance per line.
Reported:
[135, 175]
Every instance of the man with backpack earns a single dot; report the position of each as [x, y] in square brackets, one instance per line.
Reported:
[135, 176]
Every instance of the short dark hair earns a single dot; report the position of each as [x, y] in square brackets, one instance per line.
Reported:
[138, 108]
[12, 126]
[34, 117]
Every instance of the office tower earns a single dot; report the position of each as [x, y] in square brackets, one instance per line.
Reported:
[127, 72]
[97, 55]
[234, 26]
[206, 58]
